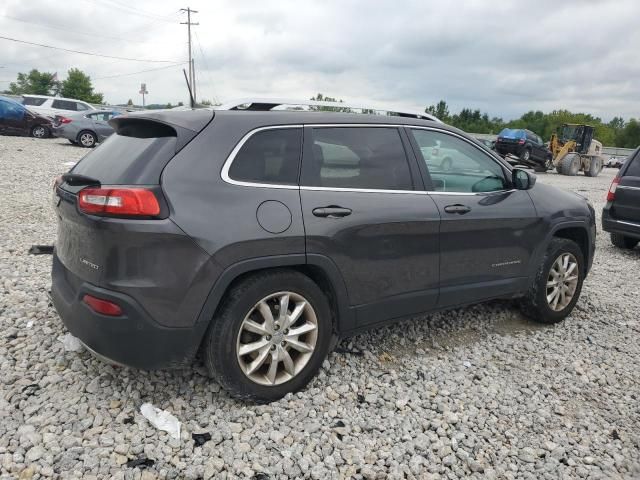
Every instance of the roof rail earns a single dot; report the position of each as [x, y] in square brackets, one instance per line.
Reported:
[265, 104]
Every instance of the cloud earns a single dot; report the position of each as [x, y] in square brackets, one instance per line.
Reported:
[504, 58]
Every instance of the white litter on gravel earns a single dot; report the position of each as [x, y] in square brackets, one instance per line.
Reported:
[70, 343]
[161, 419]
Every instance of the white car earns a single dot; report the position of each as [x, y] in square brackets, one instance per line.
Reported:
[52, 106]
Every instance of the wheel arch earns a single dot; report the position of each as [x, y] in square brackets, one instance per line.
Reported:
[318, 268]
[578, 234]
[87, 130]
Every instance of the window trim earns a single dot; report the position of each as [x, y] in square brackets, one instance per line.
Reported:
[224, 174]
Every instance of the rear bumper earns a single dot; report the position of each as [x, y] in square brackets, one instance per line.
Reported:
[513, 148]
[133, 339]
[61, 132]
[624, 227]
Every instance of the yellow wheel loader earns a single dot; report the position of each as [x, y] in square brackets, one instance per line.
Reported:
[576, 150]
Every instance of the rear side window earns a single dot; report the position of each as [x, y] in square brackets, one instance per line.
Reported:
[269, 156]
[36, 102]
[633, 170]
[357, 157]
[81, 107]
[135, 155]
[11, 111]
[65, 105]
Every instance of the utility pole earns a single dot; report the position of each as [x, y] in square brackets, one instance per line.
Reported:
[189, 23]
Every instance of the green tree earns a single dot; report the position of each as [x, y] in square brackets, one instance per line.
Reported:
[322, 98]
[35, 83]
[629, 136]
[78, 85]
[440, 111]
[130, 103]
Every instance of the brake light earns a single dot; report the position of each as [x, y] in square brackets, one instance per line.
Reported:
[521, 141]
[105, 307]
[119, 201]
[611, 194]
[65, 120]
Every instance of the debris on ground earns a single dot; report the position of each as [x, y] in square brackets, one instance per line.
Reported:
[161, 419]
[71, 343]
[142, 462]
[201, 438]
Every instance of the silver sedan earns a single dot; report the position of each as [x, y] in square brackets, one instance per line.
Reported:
[84, 129]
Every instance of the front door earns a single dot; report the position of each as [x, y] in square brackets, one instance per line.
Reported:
[362, 210]
[488, 231]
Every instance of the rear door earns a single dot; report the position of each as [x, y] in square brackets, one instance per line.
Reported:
[488, 230]
[101, 125]
[627, 203]
[363, 209]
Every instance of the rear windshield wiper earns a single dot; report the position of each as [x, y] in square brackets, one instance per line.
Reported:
[77, 179]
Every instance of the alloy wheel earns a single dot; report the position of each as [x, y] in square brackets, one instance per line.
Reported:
[39, 132]
[87, 139]
[562, 282]
[277, 338]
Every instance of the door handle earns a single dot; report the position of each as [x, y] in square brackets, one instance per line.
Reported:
[457, 208]
[331, 211]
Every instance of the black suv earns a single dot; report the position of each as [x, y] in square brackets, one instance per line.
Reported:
[525, 145]
[621, 214]
[259, 238]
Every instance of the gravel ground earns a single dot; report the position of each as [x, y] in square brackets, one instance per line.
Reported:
[471, 393]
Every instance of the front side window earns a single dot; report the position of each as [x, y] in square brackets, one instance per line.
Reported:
[457, 166]
[357, 157]
[269, 156]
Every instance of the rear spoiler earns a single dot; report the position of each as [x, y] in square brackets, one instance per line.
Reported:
[184, 124]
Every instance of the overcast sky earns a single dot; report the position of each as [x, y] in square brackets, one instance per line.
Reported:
[504, 57]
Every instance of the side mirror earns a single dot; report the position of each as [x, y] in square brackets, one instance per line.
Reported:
[522, 180]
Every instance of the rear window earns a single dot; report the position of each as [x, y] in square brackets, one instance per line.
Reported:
[36, 102]
[65, 105]
[633, 170]
[135, 155]
[269, 156]
[509, 133]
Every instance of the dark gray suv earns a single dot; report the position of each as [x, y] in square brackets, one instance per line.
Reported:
[259, 238]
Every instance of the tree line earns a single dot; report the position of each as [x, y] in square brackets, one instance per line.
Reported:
[616, 133]
[77, 85]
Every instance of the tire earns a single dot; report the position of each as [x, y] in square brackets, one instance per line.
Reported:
[446, 164]
[39, 131]
[226, 335]
[570, 165]
[87, 139]
[536, 304]
[622, 241]
[525, 156]
[595, 167]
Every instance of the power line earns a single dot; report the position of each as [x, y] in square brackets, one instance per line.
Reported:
[206, 66]
[86, 53]
[133, 10]
[141, 71]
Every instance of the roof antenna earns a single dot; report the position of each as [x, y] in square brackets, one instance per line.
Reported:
[193, 102]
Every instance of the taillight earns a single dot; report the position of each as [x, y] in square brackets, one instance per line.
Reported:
[521, 141]
[105, 307]
[65, 120]
[611, 194]
[137, 202]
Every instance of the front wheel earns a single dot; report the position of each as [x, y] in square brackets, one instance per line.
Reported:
[39, 131]
[525, 156]
[622, 241]
[557, 284]
[270, 336]
[595, 167]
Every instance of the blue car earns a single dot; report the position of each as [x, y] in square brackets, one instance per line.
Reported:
[527, 146]
[16, 119]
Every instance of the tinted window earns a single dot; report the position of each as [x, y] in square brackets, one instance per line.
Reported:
[634, 167]
[81, 107]
[457, 166]
[357, 157]
[36, 102]
[135, 155]
[269, 156]
[65, 105]
[11, 111]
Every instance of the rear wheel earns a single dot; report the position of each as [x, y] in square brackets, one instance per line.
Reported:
[622, 241]
[87, 139]
[595, 167]
[39, 131]
[558, 283]
[570, 165]
[270, 336]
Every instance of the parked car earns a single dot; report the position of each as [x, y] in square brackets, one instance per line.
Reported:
[614, 162]
[440, 156]
[233, 234]
[527, 146]
[52, 106]
[84, 129]
[16, 119]
[621, 214]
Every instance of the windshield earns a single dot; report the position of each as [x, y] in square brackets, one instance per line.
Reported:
[571, 132]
